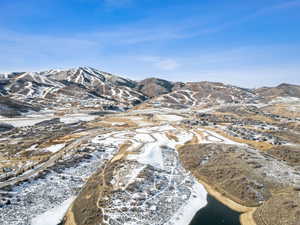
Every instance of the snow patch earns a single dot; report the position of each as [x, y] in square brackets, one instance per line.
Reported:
[151, 155]
[285, 100]
[54, 215]
[197, 200]
[55, 148]
[172, 118]
[76, 118]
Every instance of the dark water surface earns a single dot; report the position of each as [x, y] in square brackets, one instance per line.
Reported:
[215, 213]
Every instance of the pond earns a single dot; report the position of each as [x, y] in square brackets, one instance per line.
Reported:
[215, 213]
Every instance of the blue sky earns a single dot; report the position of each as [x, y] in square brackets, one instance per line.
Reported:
[248, 43]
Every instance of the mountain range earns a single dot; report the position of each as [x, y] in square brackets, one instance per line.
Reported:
[87, 88]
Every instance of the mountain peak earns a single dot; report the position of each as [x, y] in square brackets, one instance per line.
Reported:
[284, 85]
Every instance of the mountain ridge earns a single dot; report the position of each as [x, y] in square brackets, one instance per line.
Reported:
[87, 87]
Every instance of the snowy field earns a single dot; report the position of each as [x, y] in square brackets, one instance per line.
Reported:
[167, 195]
[171, 118]
[54, 215]
[55, 148]
[50, 195]
[30, 121]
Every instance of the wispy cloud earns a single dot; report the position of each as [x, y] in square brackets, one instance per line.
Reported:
[268, 10]
[162, 31]
[23, 51]
[155, 38]
[166, 64]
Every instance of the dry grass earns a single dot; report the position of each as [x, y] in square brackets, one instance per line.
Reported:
[225, 198]
[127, 121]
[283, 110]
[62, 140]
[139, 107]
[114, 122]
[122, 151]
[262, 118]
[69, 217]
[172, 136]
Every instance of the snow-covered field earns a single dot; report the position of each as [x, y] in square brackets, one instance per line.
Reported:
[168, 195]
[76, 118]
[213, 137]
[171, 118]
[22, 122]
[185, 214]
[49, 196]
[32, 120]
[285, 100]
[55, 148]
[54, 215]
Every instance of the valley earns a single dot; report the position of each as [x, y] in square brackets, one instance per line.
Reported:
[84, 147]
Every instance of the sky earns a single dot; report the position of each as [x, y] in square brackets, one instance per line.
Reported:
[247, 43]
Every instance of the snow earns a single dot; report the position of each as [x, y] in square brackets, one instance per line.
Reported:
[144, 137]
[76, 118]
[213, 137]
[108, 139]
[118, 124]
[184, 137]
[41, 195]
[294, 108]
[140, 121]
[197, 200]
[30, 90]
[166, 169]
[54, 215]
[31, 118]
[206, 110]
[21, 122]
[171, 118]
[151, 155]
[285, 100]
[55, 148]
[151, 152]
[133, 175]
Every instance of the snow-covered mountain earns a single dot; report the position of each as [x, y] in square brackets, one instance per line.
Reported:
[150, 164]
[198, 93]
[86, 88]
[83, 86]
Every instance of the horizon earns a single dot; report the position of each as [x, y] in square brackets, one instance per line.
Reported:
[149, 77]
[252, 44]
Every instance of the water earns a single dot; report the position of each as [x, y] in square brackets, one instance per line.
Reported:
[215, 213]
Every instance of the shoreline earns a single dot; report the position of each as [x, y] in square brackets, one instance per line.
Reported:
[69, 216]
[246, 217]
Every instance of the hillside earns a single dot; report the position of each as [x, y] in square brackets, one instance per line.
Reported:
[86, 147]
[153, 87]
[282, 90]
